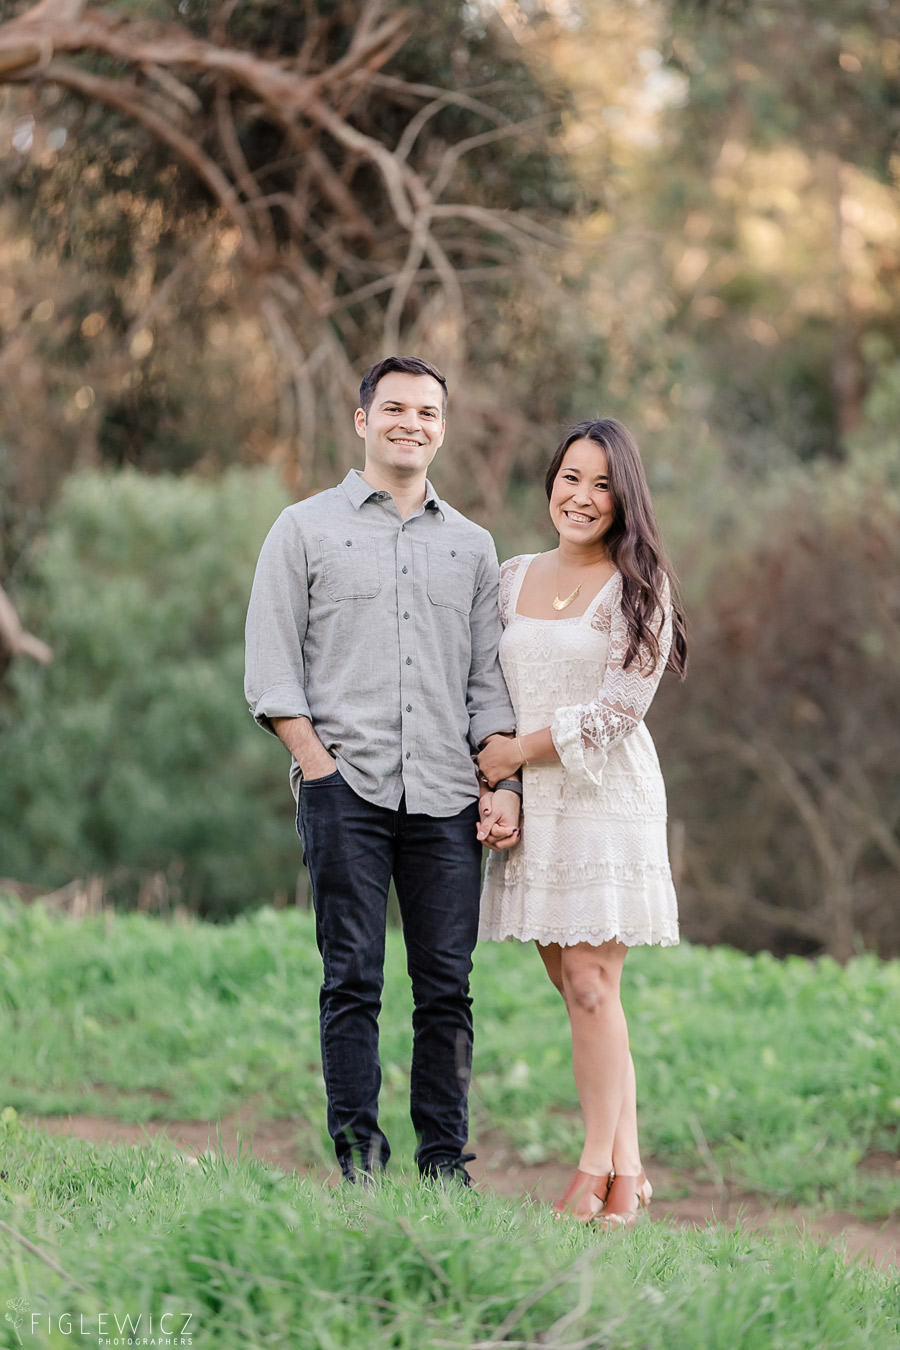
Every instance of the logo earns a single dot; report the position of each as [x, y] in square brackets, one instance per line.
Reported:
[104, 1328]
[18, 1307]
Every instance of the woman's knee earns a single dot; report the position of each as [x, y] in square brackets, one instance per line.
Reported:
[590, 986]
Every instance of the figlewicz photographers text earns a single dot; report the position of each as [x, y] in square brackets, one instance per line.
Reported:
[110, 1329]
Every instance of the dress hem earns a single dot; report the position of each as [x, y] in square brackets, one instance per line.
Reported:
[571, 938]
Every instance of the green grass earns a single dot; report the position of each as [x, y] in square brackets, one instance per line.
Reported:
[258, 1259]
[781, 1074]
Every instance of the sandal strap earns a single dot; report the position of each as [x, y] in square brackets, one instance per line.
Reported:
[583, 1186]
[627, 1196]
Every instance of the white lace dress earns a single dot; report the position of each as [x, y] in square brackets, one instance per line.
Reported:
[593, 860]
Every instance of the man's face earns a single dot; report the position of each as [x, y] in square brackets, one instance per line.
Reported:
[405, 424]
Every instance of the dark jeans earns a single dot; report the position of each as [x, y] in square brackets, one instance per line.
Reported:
[351, 849]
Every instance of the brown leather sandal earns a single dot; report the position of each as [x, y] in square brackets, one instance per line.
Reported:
[584, 1198]
[626, 1197]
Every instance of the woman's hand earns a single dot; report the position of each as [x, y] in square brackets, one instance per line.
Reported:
[498, 827]
[500, 758]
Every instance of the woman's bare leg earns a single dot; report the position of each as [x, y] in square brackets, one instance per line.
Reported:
[591, 981]
[626, 1154]
[551, 955]
[589, 978]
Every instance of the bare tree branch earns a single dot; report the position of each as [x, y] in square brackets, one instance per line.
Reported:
[13, 637]
[127, 98]
[453, 155]
[739, 901]
[332, 252]
[768, 762]
[239, 166]
[444, 98]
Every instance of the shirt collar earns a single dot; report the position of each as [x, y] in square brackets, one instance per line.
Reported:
[359, 491]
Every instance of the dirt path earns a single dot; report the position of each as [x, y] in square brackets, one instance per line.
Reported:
[686, 1198]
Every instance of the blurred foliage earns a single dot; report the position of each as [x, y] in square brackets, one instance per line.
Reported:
[133, 755]
[785, 185]
[781, 749]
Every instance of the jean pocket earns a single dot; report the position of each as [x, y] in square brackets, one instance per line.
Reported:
[321, 782]
[306, 795]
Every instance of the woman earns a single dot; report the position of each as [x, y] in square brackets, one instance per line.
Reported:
[589, 629]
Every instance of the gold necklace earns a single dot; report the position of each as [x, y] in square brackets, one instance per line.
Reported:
[563, 604]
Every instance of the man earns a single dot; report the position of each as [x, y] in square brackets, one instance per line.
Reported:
[372, 654]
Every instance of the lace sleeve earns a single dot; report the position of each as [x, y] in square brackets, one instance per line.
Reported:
[508, 573]
[622, 701]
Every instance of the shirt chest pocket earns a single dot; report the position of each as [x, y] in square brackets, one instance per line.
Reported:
[451, 578]
[350, 569]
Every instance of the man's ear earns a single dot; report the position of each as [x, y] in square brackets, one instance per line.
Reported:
[359, 421]
[443, 429]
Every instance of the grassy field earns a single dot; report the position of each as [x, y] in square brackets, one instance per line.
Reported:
[238, 1255]
[782, 1071]
[781, 1074]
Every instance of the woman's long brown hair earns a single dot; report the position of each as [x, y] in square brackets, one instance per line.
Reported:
[633, 541]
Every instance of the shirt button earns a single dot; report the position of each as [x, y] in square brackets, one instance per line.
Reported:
[409, 707]
[406, 614]
[404, 570]
[407, 754]
[453, 553]
[402, 529]
[349, 543]
[409, 660]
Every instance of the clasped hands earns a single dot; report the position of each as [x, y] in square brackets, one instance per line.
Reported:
[499, 757]
[499, 812]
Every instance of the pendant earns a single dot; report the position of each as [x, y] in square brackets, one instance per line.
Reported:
[563, 604]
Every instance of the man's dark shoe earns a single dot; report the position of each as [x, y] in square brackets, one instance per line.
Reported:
[367, 1178]
[452, 1169]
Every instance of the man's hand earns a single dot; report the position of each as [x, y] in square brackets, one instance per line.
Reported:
[321, 765]
[500, 758]
[498, 828]
[298, 735]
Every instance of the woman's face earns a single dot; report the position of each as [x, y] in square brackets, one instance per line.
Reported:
[581, 504]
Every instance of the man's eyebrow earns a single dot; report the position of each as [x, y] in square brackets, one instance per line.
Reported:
[398, 403]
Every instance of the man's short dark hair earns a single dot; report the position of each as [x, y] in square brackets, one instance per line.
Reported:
[406, 365]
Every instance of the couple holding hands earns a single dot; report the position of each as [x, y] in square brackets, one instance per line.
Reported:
[383, 649]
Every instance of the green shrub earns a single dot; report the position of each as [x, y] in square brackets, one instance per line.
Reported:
[133, 754]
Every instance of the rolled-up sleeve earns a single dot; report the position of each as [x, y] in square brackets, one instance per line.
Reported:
[277, 618]
[487, 697]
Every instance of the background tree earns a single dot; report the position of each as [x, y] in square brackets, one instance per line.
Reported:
[785, 184]
[226, 171]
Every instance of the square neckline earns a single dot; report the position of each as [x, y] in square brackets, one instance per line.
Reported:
[571, 618]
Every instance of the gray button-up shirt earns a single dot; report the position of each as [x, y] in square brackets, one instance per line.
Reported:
[384, 633]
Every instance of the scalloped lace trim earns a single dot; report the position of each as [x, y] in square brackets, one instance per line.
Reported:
[570, 936]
